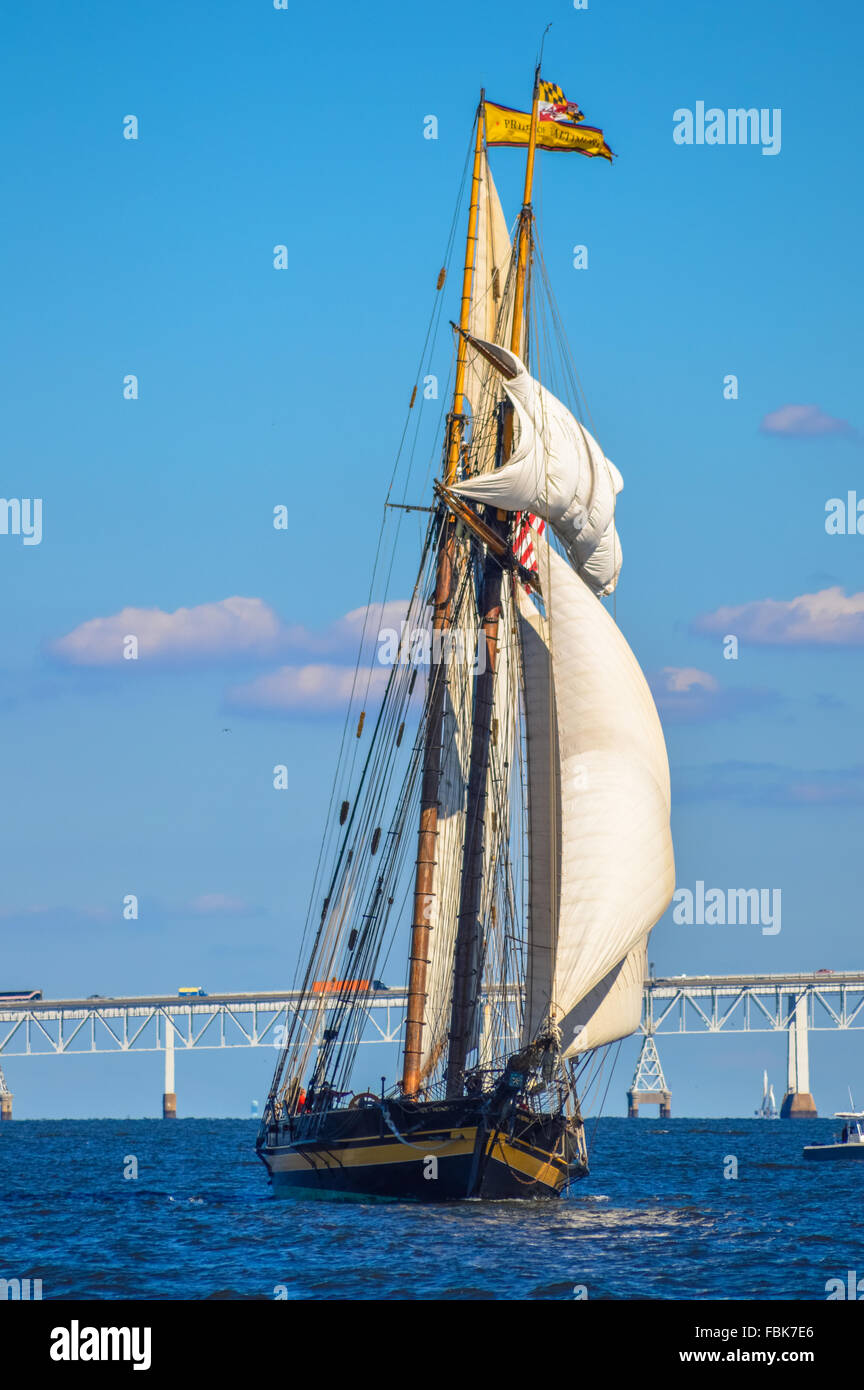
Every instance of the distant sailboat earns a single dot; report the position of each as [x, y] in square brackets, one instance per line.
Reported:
[538, 778]
[768, 1108]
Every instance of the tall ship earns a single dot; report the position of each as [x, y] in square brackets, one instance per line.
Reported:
[499, 829]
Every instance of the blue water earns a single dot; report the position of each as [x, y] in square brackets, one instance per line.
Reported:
[656, 1219]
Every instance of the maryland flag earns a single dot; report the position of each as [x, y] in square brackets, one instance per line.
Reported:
[554, 106]
[558, 125]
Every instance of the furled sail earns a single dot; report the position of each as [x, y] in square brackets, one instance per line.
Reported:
[498, 812]
[457, 672]
[489, 316]
[558, 471]
[602, 870]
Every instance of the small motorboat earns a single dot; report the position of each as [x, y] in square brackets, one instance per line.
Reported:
[850, 1144]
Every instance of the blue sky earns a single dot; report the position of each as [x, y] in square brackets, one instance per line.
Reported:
[260, 387]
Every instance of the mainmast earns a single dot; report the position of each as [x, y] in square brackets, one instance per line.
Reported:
[467, 960]
[424, 881]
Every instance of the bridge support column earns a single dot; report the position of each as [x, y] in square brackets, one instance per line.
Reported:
[798, 1103]
[648, 1086]
[169, 1096]
[5, 1099]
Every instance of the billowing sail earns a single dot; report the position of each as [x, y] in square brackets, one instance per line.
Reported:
[558, 471]
[602, 870]
[613, 1008]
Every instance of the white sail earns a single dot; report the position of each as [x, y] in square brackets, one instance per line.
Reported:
[559, 472]
[612, 1009]
[498, 814]
[458, 676]
[487, 315]
[602, 870]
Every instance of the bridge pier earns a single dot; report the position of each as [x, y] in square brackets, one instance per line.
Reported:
[798, 1103]
[648, 1086]
[169, 1095]
[5, 1099]
[637, 1098]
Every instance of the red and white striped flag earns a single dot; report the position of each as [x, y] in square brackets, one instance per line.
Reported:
[523, 541]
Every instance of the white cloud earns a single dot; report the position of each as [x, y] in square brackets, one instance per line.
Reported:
[828, 618]
[231, 629]
[316, 688]
[686, 695]
[804, 422]
[681, 678]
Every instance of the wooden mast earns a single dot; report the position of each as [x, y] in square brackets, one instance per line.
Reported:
[427, 842]
[467, 962]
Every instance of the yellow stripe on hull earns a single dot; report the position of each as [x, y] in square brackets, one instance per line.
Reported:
[535, 1167]
[525, 1161]
[365, 1155]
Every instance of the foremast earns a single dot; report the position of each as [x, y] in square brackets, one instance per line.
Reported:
[424, 880]
[468, 951]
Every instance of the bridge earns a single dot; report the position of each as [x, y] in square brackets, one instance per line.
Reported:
[790, 1003]
[168, 1022]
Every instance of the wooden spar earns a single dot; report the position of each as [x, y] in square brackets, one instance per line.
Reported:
[456, 414]
[484, 532]
[468, 955]
[467, 965]
[525, 228]
[427, 840]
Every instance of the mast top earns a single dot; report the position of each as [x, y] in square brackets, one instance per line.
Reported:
[540, 54]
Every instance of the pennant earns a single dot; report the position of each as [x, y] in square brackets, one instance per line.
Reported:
[504, 126]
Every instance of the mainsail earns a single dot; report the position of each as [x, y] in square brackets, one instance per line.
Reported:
[558, 471]
[602, 870]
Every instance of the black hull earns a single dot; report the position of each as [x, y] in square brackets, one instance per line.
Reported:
[422, 1151]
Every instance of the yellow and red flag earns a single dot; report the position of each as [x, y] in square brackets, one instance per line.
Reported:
[552, 105]
[559, 125]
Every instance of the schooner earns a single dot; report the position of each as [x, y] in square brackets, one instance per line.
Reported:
[507, 825]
